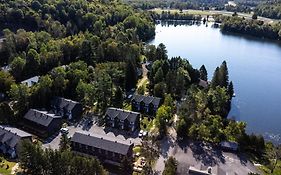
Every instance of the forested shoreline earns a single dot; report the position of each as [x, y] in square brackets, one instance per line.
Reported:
[251, 27]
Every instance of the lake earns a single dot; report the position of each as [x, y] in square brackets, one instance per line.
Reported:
[254, 67]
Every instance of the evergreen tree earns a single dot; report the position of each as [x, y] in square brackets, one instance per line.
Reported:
[230, 89]
[216, 78]
[159, 76]
[64, 142]
[131, 75]
[161, 52]
[203, 73]
[223, 75]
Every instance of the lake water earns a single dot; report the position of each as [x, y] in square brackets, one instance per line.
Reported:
[254, 66]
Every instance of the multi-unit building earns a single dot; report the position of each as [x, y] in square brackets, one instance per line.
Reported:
[122, 119]
[145, 104]
[11, 139]
[107, 149]
[41, 123]
[66, 108]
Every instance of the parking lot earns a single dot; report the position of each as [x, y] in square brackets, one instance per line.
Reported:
[92, 127]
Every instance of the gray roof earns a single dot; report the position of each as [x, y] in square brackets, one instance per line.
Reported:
[104, 142]
[11, 136]
[147, 99]
[122, 114]
[31, 81]
[40, 117]
[229, 144]
[64, 103]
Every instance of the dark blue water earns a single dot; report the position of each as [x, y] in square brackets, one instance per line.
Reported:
[254, 66]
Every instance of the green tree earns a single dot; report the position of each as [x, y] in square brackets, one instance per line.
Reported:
[6, 80]
[203, 73]
[170, 166]
[159, 90]
[64, 143]
[230, 90]
[131, 75]
[17, 67]
[21, 95]
[161, 52]
[159, 76]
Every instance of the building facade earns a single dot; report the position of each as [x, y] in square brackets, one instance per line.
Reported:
[145, 104]
[41, 123]
[122, 119]
[66, 108]
[107, 149]
[11, 139]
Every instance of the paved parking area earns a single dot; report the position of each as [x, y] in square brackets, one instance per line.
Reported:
[194, 154]
[84, 125]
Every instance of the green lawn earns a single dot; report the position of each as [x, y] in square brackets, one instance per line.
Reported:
[3, 166]
[146, 124]
[190, 11]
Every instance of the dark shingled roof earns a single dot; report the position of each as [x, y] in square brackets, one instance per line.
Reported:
[102, 141]
[41, 117]
[122, 114]
[147, 99]
[64, 103]
[11, 136]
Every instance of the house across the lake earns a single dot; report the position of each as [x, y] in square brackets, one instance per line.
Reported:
[145, 104]
[66, 108]
[31, 81]
[11, 139]
[41, 123]
[107, 149]
[122, 119]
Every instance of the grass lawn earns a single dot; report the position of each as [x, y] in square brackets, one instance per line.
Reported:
[3, 166]
[146, 124]
[190, 11]
[137, 149]
[127, 106]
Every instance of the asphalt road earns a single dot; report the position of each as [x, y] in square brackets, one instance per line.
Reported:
[195, 154]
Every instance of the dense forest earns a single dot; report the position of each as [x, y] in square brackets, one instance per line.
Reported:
[252, 27]
[269, 10]
[43, 37]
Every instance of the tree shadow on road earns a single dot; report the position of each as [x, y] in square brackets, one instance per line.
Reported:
[166, 143]
[208, 154]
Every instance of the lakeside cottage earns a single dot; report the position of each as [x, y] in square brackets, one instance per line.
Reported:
[122, 119]
[11, 139]
[109, 150]
[145, 104]
[41, 123]
[66, 108]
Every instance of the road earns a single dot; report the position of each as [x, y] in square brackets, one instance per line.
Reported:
[144, 76]
[210, 13]
[198, 155]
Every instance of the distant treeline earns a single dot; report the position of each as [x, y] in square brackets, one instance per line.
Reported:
[166, 15]
[272, 10]
[250, 27]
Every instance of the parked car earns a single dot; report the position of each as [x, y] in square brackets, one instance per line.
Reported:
[64, 130]
[144, 134]
[140, 133]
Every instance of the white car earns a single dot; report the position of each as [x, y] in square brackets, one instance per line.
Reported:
[64, 130]
[144, 134]
[140, 133]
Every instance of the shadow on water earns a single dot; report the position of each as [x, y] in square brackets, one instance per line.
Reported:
[251, 38]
